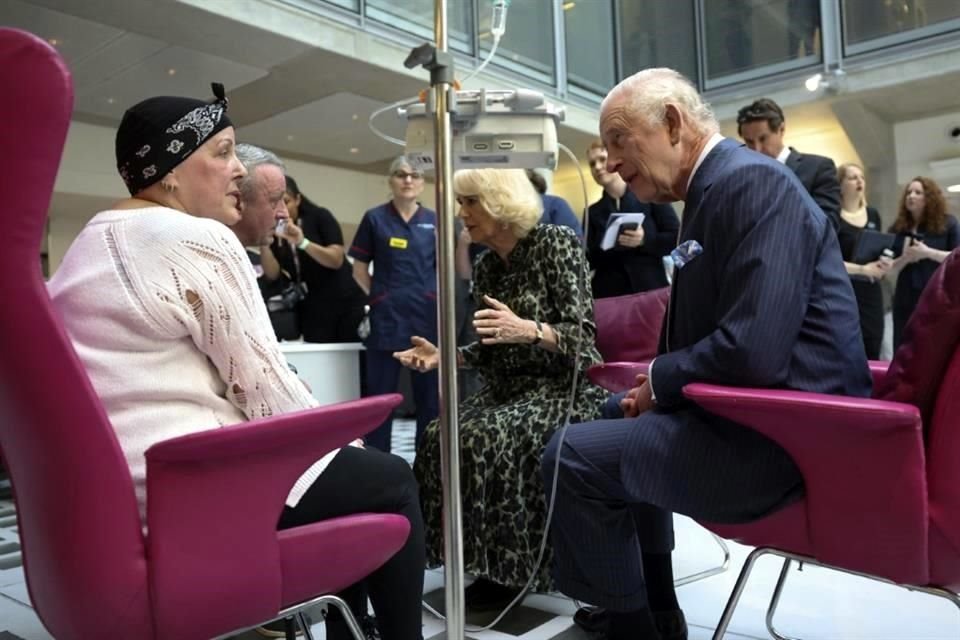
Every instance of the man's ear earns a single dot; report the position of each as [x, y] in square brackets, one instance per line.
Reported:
[673, 118]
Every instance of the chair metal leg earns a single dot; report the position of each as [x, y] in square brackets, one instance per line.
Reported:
[304, 623]
[347, 615]
[778, 590]
[775, 601]
[737, 592]
[700, 575]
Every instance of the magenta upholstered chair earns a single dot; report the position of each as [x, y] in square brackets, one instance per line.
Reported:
[628, 332]
[213, 561]
[882, 477]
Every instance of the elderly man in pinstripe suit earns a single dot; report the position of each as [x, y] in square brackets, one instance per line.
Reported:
[760, 298]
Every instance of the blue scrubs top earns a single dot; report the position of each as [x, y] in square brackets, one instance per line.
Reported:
[403, 292]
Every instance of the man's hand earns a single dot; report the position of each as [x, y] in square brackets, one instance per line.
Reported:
[631, 238]
[423, 356]
[638, 399]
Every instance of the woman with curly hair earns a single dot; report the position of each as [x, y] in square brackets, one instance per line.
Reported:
[926, 234]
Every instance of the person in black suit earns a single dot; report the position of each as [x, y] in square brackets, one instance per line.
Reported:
[636, 262]
[762, 125]
[748, 227]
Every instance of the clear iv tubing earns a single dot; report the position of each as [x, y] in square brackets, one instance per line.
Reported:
[498, 26]
[563, 433]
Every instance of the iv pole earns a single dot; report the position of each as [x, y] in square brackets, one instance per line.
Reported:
[439, 62]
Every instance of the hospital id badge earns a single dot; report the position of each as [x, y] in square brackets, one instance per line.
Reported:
[398, 243]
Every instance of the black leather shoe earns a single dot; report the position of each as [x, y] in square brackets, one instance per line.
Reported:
[592, 619]
[671, 624]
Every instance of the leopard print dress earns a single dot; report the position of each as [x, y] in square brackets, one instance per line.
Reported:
[505, 426]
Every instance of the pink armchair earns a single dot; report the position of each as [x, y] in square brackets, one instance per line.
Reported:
[628, 331]
[213, 561]
[882, 483]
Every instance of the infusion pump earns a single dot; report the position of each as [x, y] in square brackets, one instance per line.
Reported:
[514, 128]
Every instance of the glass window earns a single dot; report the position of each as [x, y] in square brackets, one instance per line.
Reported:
[416, 16]
[528, 43]
[654, 33]
[352, 5]
[743, 35]
[865, 20]
[589, 43]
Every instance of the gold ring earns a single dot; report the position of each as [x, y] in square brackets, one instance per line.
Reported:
[496, 334]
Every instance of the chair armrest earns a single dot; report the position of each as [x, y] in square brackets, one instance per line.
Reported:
[215, 497]
[878, 369]
[616, 376]
[862, 461]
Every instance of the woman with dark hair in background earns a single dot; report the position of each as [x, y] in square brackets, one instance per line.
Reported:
[855, 217]
[926, 234]
[333, 306]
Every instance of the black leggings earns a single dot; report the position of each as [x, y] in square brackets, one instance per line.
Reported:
[370, 481]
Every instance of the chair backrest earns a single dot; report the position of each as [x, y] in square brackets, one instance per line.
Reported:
[628, 327]
[925, 372]
[82, 542]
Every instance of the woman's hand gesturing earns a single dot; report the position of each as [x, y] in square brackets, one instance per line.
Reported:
[500, 325]
[423, 356]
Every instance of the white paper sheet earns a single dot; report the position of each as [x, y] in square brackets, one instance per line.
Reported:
[616, 221]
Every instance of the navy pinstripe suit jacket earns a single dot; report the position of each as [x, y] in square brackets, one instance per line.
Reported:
[768, 302]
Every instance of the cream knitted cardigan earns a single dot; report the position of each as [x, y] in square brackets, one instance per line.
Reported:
[164, 311]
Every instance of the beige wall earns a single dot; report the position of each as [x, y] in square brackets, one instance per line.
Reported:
[87, 182]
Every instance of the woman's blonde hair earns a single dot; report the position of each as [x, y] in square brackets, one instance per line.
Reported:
[506, 194]
[842, 172]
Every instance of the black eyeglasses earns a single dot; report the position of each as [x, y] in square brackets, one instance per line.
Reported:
[403, 175]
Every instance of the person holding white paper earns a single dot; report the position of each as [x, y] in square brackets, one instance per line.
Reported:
[634, 262]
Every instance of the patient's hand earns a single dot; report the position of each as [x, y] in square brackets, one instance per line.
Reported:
[423, 356]
[638, 399]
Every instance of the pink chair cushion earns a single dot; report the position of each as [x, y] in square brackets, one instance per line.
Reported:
[929, 342]
[628, 327]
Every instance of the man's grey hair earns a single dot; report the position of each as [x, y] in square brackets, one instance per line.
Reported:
[649, 91]
[252, 157]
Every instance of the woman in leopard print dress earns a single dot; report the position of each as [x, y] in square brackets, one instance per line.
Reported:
[536, 314]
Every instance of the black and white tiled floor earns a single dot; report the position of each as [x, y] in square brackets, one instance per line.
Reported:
[817, 604]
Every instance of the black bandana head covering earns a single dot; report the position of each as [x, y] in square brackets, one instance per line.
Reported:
[159, 133]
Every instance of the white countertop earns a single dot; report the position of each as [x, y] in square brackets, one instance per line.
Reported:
[313, 347]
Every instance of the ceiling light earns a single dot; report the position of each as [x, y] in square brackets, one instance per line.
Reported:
[171, 72]
[110, 100]
[954, 188]
[53, 41]
[354, 150]
[289, 137]
[569, 5]
[833, 81]
[355, 117]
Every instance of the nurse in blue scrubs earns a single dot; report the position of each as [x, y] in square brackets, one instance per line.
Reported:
[399, 239]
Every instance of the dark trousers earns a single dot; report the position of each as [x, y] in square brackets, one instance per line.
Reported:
[383, 371]
[620, 480]
[370, 481]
